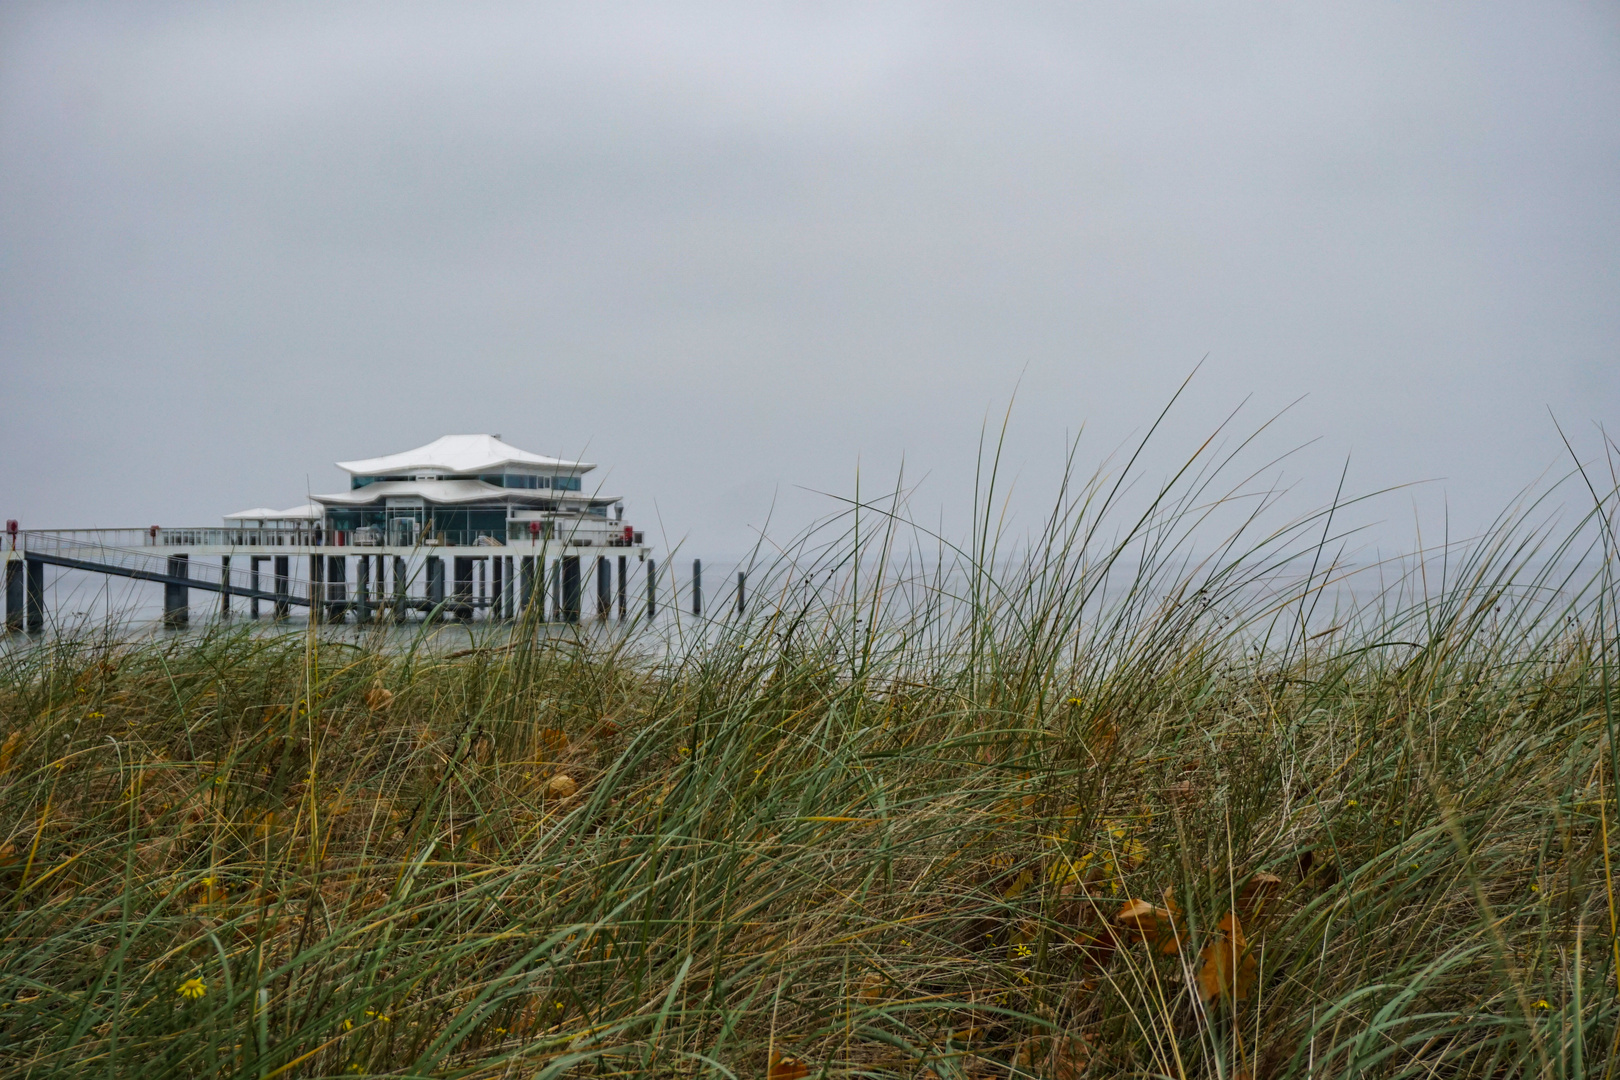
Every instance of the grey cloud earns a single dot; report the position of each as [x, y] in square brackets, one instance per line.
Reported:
[727, 248]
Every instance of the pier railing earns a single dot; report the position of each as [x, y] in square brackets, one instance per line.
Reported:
[82, 549]
[570, 534]
[247, 541]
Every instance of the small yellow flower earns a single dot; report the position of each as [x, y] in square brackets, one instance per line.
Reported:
[192, 989]
[1535, 888]
[96, 716]
[1352, 803]
[686, 749]
[348, 1025]
[1542, 1004]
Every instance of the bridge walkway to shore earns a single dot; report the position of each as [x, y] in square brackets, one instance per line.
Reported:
[367, 582]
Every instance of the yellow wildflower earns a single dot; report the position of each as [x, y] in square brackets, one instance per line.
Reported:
[192, 988]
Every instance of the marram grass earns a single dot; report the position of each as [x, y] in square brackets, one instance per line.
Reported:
[879, 827]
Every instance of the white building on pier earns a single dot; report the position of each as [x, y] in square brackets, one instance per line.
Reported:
[463, 525]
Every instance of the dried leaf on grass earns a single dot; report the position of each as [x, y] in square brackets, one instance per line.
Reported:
[561, 786]
[378, 698]
[553, 741]
[1155, 926]
[8, 750]
[1257, 890]
[1226, 968]
[786, 1068]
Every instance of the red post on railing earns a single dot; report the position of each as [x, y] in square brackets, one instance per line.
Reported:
[11, 531]
[534, 529]
[152, 531]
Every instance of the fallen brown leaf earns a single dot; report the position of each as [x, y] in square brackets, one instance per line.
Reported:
[1226, 969]
[553, 741]
[786, 1068]
[1152, 925]
[1257, 890]
[1139, 917]
[8, 750]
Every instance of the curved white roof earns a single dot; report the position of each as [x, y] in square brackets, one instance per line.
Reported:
[458, 454]
[307, 512]
[436, 491]
[444, 492]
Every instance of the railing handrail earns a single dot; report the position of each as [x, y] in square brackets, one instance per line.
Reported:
[564, 533]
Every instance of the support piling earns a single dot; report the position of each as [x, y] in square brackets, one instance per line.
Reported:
[14, 595]
[177, 598]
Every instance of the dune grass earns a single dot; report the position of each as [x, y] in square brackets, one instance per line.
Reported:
[890, 823]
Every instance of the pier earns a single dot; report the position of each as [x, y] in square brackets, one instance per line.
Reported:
[257, 573]
[466, 527]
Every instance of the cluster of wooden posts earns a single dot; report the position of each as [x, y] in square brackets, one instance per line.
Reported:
[378, 586]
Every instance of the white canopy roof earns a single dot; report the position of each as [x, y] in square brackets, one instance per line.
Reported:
[458, 454]
[307, 512]
[445, 492]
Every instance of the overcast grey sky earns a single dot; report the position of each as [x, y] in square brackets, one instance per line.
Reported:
[731, 251]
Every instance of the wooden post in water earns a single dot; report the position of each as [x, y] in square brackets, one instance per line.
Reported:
[402, 583]
[624, 586]
[697, 586]
[337, 586]
[570, 588]
[176, 597]
[652, 590]
[34, 601]
[253, 585]
[742, 581]
[14, 595]
[225, 586]
[362, 588]
[317, 586]
[283, 586]
[435, 586]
